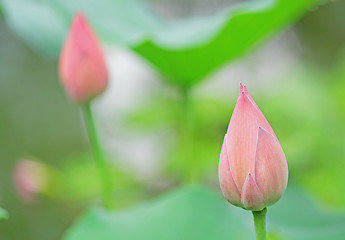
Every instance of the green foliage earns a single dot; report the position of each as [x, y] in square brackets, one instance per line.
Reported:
[274, 236]
[192, 146]
[184, 51]
[3, 214]
[187, 213]
[196, 47]
[297, 217]
[326, 176]
[197, 213]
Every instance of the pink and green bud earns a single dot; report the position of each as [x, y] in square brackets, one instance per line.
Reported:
[253, 171]
[82, 67]
[29, 179]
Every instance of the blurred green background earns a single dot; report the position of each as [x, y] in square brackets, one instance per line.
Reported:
[175, 69]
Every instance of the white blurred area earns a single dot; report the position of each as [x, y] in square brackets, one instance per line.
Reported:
[133, 80]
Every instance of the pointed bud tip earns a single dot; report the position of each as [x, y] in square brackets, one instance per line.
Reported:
[79, 16]
[242, 87]
[79, 23]
[243, 91]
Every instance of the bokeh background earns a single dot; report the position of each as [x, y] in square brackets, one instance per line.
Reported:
[153, 134]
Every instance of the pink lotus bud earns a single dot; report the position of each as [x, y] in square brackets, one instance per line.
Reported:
[82, 68]
[253, 171]
[29, 179]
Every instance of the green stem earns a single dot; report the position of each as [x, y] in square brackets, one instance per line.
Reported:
[186, 135]
[260, 224]
[99, 157]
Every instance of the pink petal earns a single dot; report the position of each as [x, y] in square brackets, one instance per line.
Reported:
[227, 184]
[250, 98]
[242, 138]
[243, 89]
[254, 103]
[82, 67]
[271, 170]
[251, 197]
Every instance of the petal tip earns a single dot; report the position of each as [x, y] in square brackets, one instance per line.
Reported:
[263, 132]
[79, 18]
[251, 197]
[242, 89]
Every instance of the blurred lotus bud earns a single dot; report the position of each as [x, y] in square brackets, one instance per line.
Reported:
[253, 171]
[82, 67]
[29, 179]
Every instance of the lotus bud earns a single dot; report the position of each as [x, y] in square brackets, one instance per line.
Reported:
[29, 179]
[253, 171]
[82, 67]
